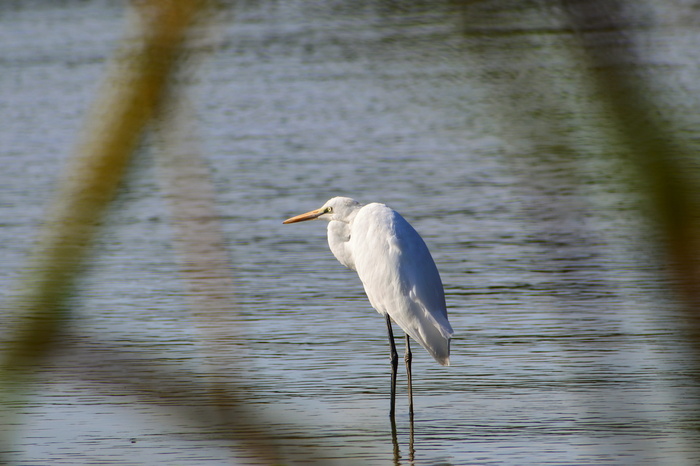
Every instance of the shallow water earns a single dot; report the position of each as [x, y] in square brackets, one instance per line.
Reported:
[566, 350]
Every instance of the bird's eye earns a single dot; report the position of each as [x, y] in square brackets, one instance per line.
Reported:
[329, 209]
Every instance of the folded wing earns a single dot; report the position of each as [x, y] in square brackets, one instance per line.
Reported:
[400, 277]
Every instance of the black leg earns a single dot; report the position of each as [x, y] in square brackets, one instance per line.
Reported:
[408, 358]
[411, 449]
[394, 365]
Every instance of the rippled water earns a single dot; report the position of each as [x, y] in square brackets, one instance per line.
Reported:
[565, 352]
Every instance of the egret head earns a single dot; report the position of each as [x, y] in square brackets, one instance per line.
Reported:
[342, 209]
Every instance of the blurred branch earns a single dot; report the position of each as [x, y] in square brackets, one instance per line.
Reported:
[139, 91]
[215, 405]
[134, 88]
[605, 31]
[197, 231]
[206, 268]
[607, 57]
[137, 81]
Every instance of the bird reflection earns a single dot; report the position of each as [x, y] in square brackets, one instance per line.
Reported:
[395, 441]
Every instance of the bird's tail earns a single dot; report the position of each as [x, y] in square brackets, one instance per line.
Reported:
[431, 334]
[436, 340]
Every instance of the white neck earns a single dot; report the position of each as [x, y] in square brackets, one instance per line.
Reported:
[339, 232]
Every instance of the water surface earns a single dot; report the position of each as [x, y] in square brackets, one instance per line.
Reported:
[566, 349]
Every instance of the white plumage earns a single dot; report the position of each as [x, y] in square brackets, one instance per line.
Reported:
[395, 266]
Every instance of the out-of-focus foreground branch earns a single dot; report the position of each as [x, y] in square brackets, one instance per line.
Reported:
[663, 158]
[134, 87]
[597, 81]
[139, 90]
[133, 90]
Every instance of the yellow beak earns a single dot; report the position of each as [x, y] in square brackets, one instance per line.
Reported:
[307, 216]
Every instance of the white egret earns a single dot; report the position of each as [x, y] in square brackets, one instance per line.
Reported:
[398, 274]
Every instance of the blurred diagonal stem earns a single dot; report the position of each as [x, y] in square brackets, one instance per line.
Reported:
[663, 158]
[134, 87]
[136, 83]
[140, 90]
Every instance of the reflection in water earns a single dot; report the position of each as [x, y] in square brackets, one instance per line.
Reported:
[411, 450]
[395, 441]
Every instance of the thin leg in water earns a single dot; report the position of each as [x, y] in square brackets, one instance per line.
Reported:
[394, 365]
[408, 357]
